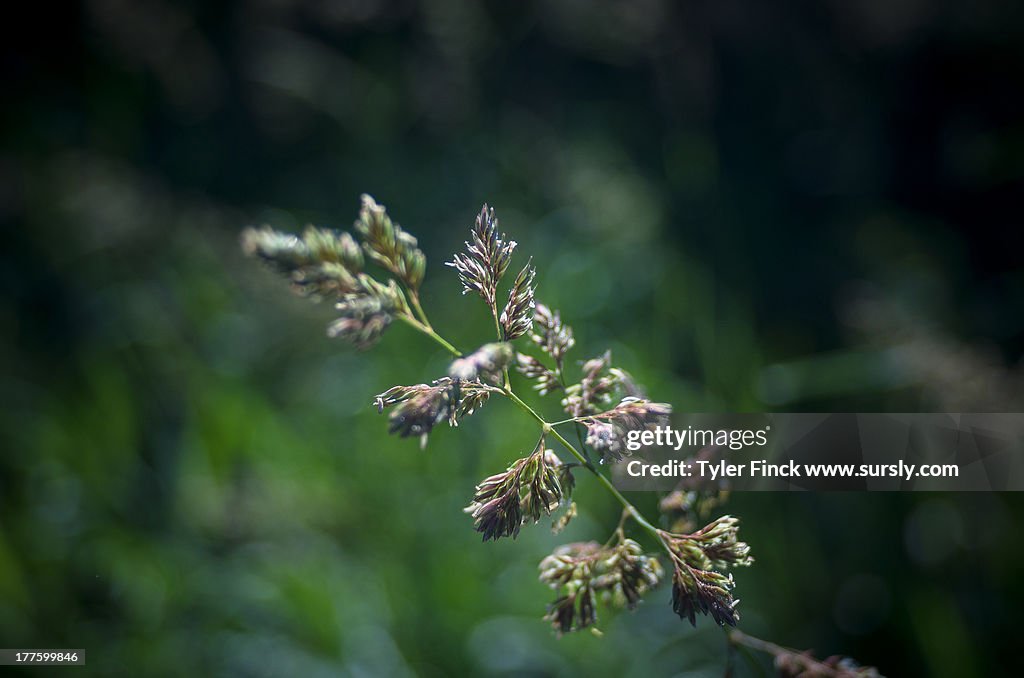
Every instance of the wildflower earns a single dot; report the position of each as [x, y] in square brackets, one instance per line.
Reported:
[496, 507]
[697, 585]
[607, 432]
[366, 313]
[421, 407]
[586, 397]
[619, 574]
[574, 611]
[505, 501]
[517, 318]
[550, 334]
[602, 437]
[567, 483]
[682, 507]
[599, 383]
[486, 363]
[326, 263]
[388, 245]
[323, 263]
[541, 490]
[531, 368]
[705, 592]
[566, 479]
[555, 339]
[486, 259]
[418, 408]
[563, 520]
[471, 396]
[720, 544]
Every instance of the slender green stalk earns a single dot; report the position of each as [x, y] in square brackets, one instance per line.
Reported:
[414, 298]
[497, 323]
[429, 331]
[501, 336]
[741, 640]
[563, 422]
[574, 420]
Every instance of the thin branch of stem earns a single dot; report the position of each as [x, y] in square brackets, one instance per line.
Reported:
[501, 337]
[619, 533]
[497, 323]
[429, 331]
[563, 422]
[740, 639]
[414, 298]
[574, 420]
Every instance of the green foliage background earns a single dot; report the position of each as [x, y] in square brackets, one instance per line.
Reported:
[193, 479]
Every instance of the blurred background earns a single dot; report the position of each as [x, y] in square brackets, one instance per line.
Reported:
[809, 207]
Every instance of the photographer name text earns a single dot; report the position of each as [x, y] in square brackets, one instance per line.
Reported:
[762, 468]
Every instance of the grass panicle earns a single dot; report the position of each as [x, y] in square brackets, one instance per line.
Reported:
[326, 264]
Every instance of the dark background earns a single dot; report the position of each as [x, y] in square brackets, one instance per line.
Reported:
[809, 207]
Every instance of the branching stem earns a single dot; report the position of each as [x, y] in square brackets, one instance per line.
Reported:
[603, 479]
[547, 427]
[736, 638]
